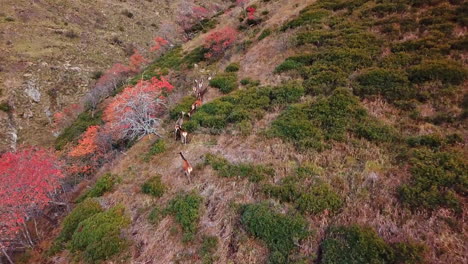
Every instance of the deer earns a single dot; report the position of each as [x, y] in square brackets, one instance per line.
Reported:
[178, 126]
[199, 92]
[183, 136]
[186, 166]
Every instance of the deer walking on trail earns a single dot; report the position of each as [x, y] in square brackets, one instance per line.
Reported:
[178, 126]
[186, 166]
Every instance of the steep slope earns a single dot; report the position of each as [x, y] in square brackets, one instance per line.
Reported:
[331, 132]
[52, 52]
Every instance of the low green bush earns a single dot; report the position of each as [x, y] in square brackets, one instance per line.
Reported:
[307, 18]
[288, 65]
[233, 67]
[279, 232]
[265, 33]
[313, 197]
[373, 130]
[408, 253]
[225, 82]
[359, 244]
[391, 84]
[316, 37]
[354, 245]
[5, 107]
[318, 198]
[158, 147]
[436, 179]
[185, 208]
[448, 72]
[323, 79]
[431, 141]
[208, 248]
[74, 131]
[254, 173]
[243, 105]
[99, 238]
[155, 215]
[81, 212]
[154, 186]
[104, 184]
[197, 55]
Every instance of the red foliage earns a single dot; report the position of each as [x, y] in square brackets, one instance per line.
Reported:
[159, 43]
[219, 41]
[199, 12]
[68, 114]
[136, 60]
[27, 180]
[112, 76]
[136, 111]
[87, 144]
[251, 13]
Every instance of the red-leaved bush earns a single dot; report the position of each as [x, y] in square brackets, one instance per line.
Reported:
[219, 41]
[87, 144]
[28, 180]
[136, 61]
[159, 42]
[137, 110]
[251, 13]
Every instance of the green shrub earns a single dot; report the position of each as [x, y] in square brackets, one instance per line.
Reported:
[248, 104]
[436, 179]
[185, 207]
[195, 56]
[384, 9]
[254, 173]
[155, 215]
[354, 245]
[323, 79]
[293, 125]
[448, 72]
[74, 131]
[184, 105]
[279, 232]
[159, 146]
[225, 82]
[316, 37]
[104, 184]
[208, 248]
[391, 84]
[80, 213]
[265, 33]
[288, 65]
[408, 253]
[5, 107]
[233, 67]
[373, 130]
[330, 118]
[400, 60]
[154, 186]
[311, 198]
[320, 197]
[99, 237]
[432, 141]
[307, 18]
[347, 59]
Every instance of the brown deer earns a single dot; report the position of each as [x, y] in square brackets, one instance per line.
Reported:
[186, 166]
[178, 126]
[183, 135]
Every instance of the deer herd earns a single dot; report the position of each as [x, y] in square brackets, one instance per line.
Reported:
[199, 90]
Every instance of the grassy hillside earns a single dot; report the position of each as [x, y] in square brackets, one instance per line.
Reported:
[332, 131]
